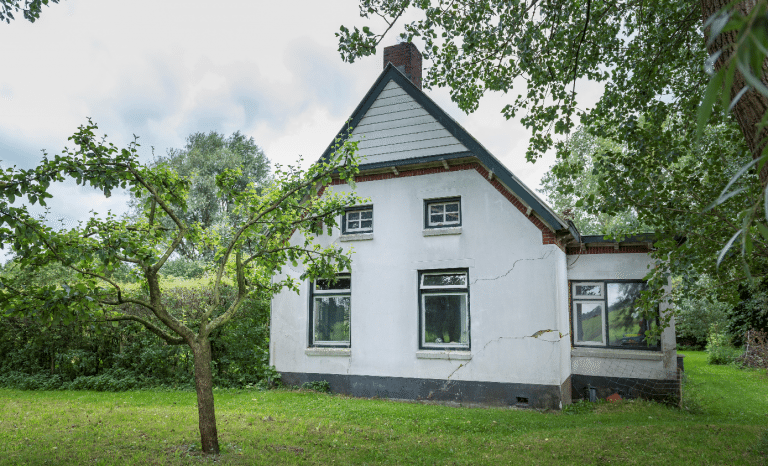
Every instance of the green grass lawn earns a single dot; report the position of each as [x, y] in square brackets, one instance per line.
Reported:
[724, 421]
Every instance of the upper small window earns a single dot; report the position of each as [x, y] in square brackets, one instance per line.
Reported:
[357, 220]
[442, 213]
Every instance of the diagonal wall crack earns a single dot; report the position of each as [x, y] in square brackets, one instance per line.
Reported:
[549, 253]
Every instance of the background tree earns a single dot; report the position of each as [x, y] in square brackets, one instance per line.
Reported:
[580, 181]
[247, 257]
[205, 157]
[30, 8]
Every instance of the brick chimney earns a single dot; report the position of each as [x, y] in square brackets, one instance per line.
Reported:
[406, 58]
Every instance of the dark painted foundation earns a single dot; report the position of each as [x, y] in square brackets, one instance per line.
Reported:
[458, 391]
[649, 389]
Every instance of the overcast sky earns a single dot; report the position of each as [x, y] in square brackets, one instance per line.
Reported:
[164, 69]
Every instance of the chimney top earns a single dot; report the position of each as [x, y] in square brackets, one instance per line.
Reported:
[406, 58]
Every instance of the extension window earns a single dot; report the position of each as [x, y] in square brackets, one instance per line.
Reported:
[605, 314]
[329, 312]
[444, 309]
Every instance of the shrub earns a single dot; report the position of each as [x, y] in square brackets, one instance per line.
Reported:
[697, 311]
[750, 313]
[720, 350]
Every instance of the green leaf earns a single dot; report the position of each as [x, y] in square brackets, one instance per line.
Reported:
[737, 97]
[751, 79]
[708, 101]
[763, 230]
[727, 246]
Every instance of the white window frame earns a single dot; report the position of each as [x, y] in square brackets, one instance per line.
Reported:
[436, 287]
[579, 296]
[599, 302]
[358, 211]
[428, 204]
[443, 290]
[335, 293]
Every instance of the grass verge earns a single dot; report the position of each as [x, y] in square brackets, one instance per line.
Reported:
[724, 421]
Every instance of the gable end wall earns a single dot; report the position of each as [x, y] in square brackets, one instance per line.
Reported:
[547, 235]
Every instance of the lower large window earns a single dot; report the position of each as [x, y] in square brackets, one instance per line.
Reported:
[605, 314]
[444, 309]
[329, 312]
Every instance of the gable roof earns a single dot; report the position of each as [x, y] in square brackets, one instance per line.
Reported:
[452, 142]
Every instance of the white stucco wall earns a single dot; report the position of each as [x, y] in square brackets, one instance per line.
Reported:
[518, 287]
[607, 362]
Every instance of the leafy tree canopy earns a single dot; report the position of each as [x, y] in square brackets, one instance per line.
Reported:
[248, 256]
[30, 8]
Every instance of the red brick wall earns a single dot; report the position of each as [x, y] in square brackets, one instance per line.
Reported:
[405, 54]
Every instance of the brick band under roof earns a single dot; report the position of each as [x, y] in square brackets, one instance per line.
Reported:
[607, 250]
[547, 236]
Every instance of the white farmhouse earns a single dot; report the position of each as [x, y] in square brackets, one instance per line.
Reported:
[465, 286]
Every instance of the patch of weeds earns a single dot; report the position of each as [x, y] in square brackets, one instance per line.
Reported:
[321, 386]
[628, 405]
[581, 407]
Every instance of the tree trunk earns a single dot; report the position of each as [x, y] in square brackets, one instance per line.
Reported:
[752, 105]
[209, 437]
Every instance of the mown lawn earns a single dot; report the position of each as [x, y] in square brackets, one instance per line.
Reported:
[725, 421]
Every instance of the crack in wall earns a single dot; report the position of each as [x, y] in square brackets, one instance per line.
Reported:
[549, 253]
[448, 382]
[572, 264]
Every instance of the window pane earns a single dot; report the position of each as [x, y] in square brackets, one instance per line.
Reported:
[626, 325]
[353, 215]
[589, 322]
[452, 218]
[366, 224]
[341, 283]
[331, 318]
[436, 208]
[366, 215]
[436, 219]
[445, 279]
[353, 225]
[445, 319]
[453, 207]
[589, 290]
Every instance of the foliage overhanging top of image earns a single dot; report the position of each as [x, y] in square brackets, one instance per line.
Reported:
[680, 117]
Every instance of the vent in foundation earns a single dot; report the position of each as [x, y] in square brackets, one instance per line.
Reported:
[522, 400]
